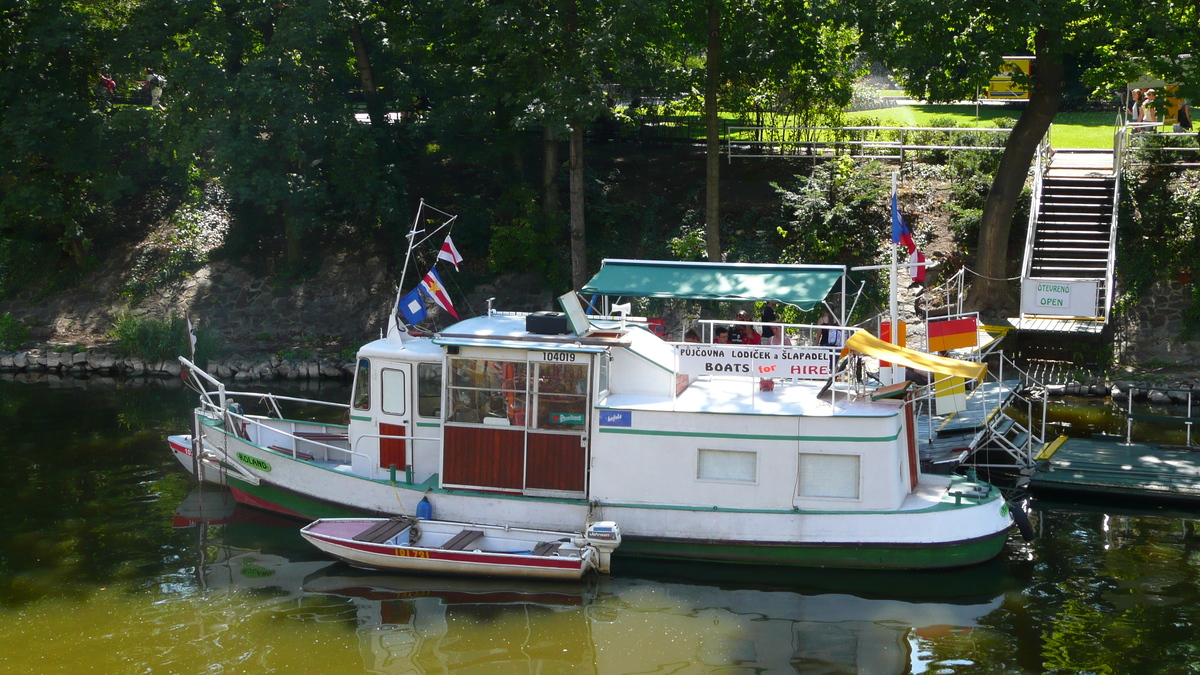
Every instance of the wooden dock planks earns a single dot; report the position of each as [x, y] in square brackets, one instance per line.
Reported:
[1109, 467]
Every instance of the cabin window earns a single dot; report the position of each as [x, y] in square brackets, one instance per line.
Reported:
[483, 391]
[391, 393]
[429, 389]
[561, 396]
[602, 372]
[727, 465]
[832, 476]
[362, 386]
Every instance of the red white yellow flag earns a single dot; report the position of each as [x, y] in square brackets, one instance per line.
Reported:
[432, 286]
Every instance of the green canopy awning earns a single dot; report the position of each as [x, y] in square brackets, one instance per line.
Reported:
[802, 285]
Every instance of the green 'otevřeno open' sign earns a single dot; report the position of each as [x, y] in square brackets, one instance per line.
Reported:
[255, 462]
[566, 418]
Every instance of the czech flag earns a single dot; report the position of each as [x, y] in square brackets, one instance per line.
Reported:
[901, 235]
[432, 286]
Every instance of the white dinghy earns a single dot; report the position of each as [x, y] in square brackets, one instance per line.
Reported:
[442, 547]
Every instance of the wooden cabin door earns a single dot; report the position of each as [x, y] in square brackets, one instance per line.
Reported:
[556, 450]
[395, 415]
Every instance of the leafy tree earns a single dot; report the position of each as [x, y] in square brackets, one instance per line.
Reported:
[781, 56]
[71, 167]
[945, 50]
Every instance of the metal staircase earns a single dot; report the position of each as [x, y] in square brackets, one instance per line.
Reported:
[1067, 273]
[1071, 231]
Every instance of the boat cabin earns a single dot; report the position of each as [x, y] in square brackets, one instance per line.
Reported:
[604, 410]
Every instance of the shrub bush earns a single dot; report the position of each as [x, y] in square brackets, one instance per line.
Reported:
[160, 339]
[13, 333]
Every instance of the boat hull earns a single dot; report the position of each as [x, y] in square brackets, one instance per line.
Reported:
[915, 537]
[853, 555]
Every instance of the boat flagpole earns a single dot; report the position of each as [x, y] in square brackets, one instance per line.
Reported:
[895, 271]
[394, 319]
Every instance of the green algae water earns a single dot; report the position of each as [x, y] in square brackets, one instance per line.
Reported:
[113, 561]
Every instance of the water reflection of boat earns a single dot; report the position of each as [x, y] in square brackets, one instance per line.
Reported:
[418, 625]
[716, 618]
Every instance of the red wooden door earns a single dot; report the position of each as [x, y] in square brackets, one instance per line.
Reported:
[555, 462]
[392, 450]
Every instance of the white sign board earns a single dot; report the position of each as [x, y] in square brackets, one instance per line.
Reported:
[806, 363]
[1058, 297]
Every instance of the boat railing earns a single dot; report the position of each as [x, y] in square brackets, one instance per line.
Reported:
[261, 423]
[708, 328]
[223, 394]
[408, 467]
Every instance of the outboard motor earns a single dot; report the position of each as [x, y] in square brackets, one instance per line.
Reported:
[605, 537]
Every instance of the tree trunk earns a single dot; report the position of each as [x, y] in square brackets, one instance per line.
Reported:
[549, 172]
[362, 60]
[712, 196]
[579, 271]
[990, 291]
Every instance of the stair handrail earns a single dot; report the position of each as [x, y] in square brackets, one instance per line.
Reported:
[1120, 142]
[1035, 205]
[1027, 380]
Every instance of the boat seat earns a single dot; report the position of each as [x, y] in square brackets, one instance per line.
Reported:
[381, 532]
[321, 436]
[546, 547]
[462, 540]
[308, 456]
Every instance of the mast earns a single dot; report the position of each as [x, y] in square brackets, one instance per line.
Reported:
[394, 318]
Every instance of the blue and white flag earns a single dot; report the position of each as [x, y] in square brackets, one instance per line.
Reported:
[412, 306]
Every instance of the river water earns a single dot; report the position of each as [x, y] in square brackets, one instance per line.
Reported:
[113, 561]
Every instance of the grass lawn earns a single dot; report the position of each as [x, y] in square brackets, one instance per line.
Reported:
[1071, 129]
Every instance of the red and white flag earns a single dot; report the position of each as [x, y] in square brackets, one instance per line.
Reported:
[902, 235]
[917, 259]
[432, 286]
[450, 253]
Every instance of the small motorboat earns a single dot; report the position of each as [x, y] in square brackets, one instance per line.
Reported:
[417, 545]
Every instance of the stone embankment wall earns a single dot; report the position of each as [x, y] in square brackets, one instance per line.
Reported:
[237, 368]
[1150, 333]
[348, 297]
[261, 324]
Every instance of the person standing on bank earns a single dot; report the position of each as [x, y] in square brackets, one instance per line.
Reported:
[154, 82]
[1149, 114]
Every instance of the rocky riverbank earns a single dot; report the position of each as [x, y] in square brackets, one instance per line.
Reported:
[236, 368]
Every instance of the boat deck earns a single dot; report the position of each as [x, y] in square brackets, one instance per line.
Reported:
[1108, 466]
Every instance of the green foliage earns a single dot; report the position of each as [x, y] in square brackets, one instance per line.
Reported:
[1159, 238]
[522, 240]
[837, 215]
[160, 339]
[13, 333]
[174, 252]
[23, 263]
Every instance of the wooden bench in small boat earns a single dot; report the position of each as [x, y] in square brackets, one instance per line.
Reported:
[321, 436]
[462, 540]
[381, 532]
[308, 456]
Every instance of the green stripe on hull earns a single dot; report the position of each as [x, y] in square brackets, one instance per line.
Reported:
[959, 554]
[305, 506]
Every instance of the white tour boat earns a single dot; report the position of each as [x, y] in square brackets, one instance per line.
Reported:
[553, 421]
